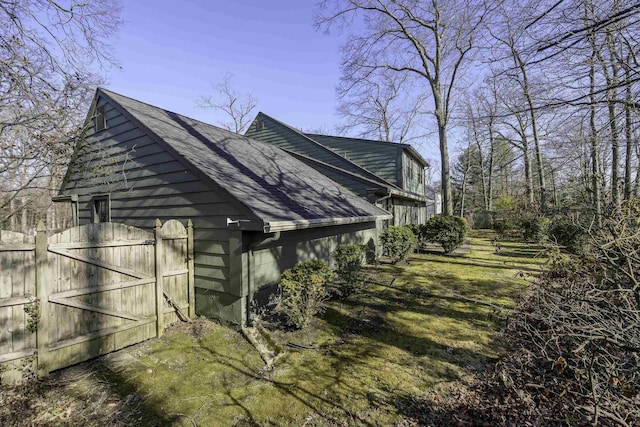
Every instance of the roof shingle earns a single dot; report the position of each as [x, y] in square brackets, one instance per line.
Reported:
[275, 186]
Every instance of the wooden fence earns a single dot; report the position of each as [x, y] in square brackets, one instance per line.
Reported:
[89, 290]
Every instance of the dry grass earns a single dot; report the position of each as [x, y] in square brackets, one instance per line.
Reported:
[417, 329]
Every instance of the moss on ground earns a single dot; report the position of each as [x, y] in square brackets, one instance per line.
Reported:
[417, 328]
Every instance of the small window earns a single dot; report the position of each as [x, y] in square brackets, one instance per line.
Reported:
[259, 125]
[101, 119]
[101, 209]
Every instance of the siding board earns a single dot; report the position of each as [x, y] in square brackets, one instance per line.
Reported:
[282, 136]
[146, 182]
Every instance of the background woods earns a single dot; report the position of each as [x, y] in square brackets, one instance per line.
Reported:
[52, 57]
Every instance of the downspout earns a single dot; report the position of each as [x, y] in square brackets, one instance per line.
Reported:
[250, 273]
[383, 198]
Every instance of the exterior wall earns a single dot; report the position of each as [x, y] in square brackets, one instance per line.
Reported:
[282, 136]
[412, 174]
[360, 187]
[303, 245]
[408, 212]
[381, 158]
[145, 182]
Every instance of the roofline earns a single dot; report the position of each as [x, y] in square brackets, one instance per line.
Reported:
[346, 172]
[373, 141]
[274, 226]
[235, 201]
[302, 134]
[389, 189]
[409, 195]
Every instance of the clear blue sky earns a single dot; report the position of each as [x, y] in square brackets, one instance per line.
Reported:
[172, 51]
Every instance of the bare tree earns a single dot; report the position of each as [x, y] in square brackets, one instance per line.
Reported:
[511, 35]
[237, 108]
[430, 40]
[384, 106]
[51, 57]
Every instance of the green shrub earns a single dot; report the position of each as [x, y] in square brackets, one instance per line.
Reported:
[303, 292]
[447, 231]
[417, 231]
[397, 243]
[570, 235]
[349, 260]
[534, 228]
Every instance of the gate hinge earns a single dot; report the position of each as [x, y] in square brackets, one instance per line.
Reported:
[149, 242]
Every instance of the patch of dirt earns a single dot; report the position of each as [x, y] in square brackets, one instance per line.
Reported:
[90, 393]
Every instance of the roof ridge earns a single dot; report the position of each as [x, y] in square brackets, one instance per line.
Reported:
[302, 134]
[286, 191]
[168, 111]
[369, 141]
[409, 147]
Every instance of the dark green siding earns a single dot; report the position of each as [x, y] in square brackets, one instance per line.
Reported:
[412, 175]
[278, 134]
[381, 158]
[351, 182]
[315, 243]
[408, 211]
[145, 182]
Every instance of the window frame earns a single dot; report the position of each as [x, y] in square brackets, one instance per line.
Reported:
[95, 214]
[101, 118]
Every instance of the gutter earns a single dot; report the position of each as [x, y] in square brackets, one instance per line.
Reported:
[408, 195]
[275, 226]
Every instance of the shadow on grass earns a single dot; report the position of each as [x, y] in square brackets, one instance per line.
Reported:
[386, 334]
[322, 406]
[135, 410]
[395, 299]
[89, 393]
[472, 262]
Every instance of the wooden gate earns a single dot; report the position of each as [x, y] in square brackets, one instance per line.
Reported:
[101, 287]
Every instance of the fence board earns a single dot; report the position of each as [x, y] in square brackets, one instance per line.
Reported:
[98, 290]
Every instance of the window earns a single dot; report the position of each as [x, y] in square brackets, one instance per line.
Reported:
[101, 119]
[101, 209]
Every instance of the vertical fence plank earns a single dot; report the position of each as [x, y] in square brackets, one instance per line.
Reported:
[67, 334]
[42, 334]
[191, 275]
[159, 280]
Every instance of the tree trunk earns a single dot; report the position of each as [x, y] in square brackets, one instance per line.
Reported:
[628, 137]
[483, 176]
[536, 141]
[490, 171]
[527, 172]
[447, 197]
[593, 132]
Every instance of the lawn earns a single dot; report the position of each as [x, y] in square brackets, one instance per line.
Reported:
[417, 329]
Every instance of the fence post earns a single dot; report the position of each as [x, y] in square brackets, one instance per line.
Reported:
[42, 296]
[159, 249]
[190, 267]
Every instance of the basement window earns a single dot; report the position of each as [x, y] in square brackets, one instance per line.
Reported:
[101, 119]
[101, 209]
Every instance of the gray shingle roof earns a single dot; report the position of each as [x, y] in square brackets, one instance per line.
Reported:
[282, 191]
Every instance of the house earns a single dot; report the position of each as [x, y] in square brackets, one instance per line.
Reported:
[256, 209]
[390, 175]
